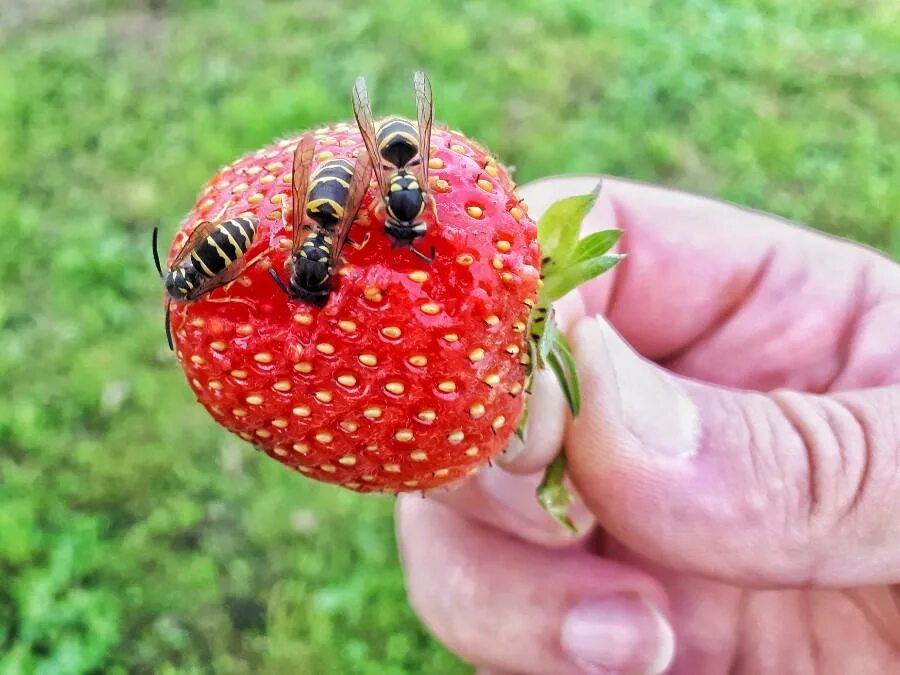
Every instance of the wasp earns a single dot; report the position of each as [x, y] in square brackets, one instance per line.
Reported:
[398, 150]
[209, 259]
[331, 198]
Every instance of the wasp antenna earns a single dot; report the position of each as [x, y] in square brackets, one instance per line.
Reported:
[155, 245]
[169, 325]
[278, 281]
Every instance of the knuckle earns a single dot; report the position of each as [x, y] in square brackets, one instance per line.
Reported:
[867, 428]
[842, 451]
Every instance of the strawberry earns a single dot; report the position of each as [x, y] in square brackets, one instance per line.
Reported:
[413, 373]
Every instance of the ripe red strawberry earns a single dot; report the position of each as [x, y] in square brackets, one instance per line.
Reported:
[413, 373]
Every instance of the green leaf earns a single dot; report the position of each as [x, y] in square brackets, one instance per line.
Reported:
[560, 226]
[565, 280]
[594, 245]
[553, 495]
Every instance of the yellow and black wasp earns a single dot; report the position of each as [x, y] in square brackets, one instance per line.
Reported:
[398, 150]
[209, 258]
[331, 198]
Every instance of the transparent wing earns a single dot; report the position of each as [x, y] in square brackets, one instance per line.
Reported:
[200, 232]
[222, 278]
[300, 187]
[358, 185]
[425, 113]
[362, 110]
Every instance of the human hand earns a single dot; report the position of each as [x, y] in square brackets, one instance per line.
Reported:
[737, 456]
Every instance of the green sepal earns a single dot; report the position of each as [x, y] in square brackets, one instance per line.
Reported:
[560, 226]
[523, 424]
[553, 495]
[548, 333]
[573, 275]
[562, 363]
[594, 245]
[554, 351]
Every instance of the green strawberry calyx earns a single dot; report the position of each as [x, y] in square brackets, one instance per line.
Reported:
[568, 260]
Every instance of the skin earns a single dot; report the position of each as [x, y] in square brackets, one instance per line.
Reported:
[737, 459]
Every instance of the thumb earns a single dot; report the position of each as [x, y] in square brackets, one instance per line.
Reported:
[751, 488]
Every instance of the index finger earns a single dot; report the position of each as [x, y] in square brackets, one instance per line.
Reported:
[730, 295]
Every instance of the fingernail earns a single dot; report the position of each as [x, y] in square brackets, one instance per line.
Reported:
[653, 405]
[618, 634]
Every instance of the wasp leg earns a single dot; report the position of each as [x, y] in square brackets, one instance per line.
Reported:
[155, 245]
[361, 246]
[422, 256]
[169, 325]
[284, 219]
[278, 281]
[434, 208]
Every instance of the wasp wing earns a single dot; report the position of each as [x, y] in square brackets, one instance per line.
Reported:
[300, 188]
[199, 233]
[425, 114]
[362, 110]
[358, 186]
[225, 276]
[203, 230]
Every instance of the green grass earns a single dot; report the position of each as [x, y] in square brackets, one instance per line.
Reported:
[135, 536]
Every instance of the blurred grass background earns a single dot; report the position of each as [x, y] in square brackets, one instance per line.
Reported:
[135, 536]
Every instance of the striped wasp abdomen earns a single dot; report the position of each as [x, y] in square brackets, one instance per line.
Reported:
[209, 258]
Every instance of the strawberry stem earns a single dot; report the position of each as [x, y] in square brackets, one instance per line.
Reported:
[567, 263]
[553, 495]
